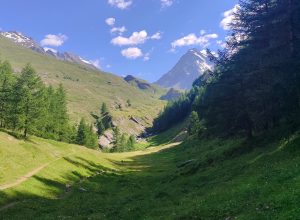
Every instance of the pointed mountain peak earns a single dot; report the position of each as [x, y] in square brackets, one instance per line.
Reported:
[190, 66]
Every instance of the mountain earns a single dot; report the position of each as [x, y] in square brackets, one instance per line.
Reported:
[171, 95]
[28, 42]
[145, 86]
[190, 66]
[86, 88]
[141, 84]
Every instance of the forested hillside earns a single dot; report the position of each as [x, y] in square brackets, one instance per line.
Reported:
[87, 89]
[255, 84]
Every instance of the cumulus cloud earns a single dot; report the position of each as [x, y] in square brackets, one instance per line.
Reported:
[228, 17]
[192, 39]
[54, 40]
[132, 53]
[135, 39]
[166, 3]
[121, 4]
[156, 36]
[119, 30]
[110, 21]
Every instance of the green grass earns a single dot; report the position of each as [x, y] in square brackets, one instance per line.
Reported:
[207, 179]
[87, 88]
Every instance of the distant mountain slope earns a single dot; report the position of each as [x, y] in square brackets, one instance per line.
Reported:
[144, 85]
[190, 66]
[88, 88]
[28, 42]
[171, 95]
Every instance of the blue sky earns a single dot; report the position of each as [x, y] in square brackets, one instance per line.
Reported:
[144, 38]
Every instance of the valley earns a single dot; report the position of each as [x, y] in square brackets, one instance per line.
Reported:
[167, 110]
[171, 178]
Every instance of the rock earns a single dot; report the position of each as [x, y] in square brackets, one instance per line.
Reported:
[106, 139]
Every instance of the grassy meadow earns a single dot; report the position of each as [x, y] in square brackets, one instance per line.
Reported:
[207, 179]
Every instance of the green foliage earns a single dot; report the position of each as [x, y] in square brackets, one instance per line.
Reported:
[173, 113]
[29, 100]
[86, 136]
[28, 106]
[194, 127]
[6, 87]
[104, 109]
[255, 84]
[104, 120]
[123, 142]
[128, 103]
[256, 88]
[100, 127]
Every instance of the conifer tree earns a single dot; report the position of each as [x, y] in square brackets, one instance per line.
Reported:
[28, 94]
[6, 87]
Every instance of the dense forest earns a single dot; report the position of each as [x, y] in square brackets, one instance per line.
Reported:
[255, 85]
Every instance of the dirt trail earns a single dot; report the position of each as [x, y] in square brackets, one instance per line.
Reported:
[38, 169]
[30, 174]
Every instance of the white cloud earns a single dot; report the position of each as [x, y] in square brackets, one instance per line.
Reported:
[110, 21]
[192, 39]
[121, 4]
[54, 40]
[166, 3]
[156, 36]
[146, 57]
[228, 17]
[118, 30]
[51, 49]
[96, 63]
[135, 39]
[132, 53]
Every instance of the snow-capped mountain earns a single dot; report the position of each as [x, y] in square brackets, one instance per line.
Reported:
[190, 66]
[23, 40]
[28, 42]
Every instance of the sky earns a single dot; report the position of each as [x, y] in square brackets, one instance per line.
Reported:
[144, 38]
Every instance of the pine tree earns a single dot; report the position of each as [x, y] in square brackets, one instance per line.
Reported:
[61, 118]
[131, 142]
[194, 124]
[28, 98]
[104, 109]
[6, 86]
[100, 127]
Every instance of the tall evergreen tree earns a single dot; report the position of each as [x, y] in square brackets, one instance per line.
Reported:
[6, 87]
[28, 98]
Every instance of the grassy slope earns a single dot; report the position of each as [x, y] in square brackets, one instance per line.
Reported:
[86, 88]
[223, 179]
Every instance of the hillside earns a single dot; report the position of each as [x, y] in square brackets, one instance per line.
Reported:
[87, 88]
[208, 179]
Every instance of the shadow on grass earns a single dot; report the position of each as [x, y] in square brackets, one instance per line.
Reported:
[128, 194]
